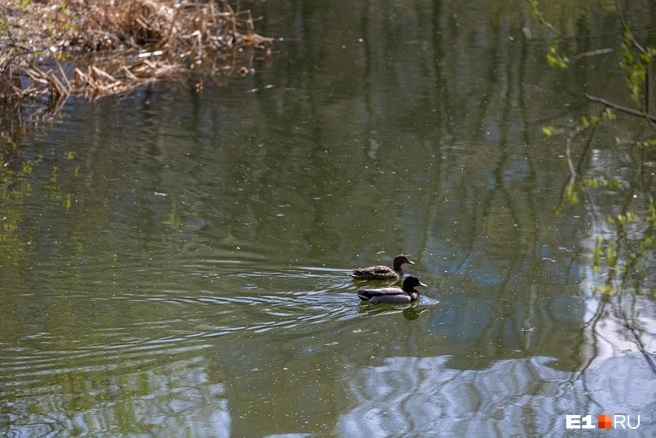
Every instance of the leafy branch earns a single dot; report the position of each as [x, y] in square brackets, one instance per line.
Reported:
[625, 256]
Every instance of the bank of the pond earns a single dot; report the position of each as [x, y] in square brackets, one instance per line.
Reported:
[51, 50]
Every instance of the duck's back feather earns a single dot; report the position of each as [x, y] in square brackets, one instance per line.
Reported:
[375, 273]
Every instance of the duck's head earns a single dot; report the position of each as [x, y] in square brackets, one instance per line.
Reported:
[401, 259]
[411, 282]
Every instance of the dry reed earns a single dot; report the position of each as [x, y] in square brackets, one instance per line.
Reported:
[50, 49]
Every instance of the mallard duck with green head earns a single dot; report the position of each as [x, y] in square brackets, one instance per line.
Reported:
[382, 272]
[393, 295]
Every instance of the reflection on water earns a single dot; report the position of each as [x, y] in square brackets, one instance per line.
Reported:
[176, 264]
[424, 396]
[178, 397]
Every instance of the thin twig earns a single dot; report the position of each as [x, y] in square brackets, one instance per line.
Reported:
[592, 53]
[638, 342]
[643, 51]
[63, 75]
[586, 147]
[558, 115]
[626, 26]
[568, 151]
[620, 107]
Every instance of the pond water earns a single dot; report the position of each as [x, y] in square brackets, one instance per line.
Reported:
[175, 263]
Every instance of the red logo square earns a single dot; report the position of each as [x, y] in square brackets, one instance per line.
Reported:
[604, 421]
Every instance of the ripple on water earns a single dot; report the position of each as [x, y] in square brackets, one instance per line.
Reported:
[179, 394]
[121, 322]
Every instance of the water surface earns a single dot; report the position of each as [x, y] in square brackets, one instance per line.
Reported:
[175, 263]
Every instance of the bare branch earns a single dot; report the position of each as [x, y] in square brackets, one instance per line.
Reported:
[620, 107]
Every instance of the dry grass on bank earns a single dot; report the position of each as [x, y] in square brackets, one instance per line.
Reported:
[53, 49]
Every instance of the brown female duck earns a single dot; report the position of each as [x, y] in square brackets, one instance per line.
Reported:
[382, 272]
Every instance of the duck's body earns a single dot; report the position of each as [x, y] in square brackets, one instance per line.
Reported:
[382, 272]
[393, 295]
